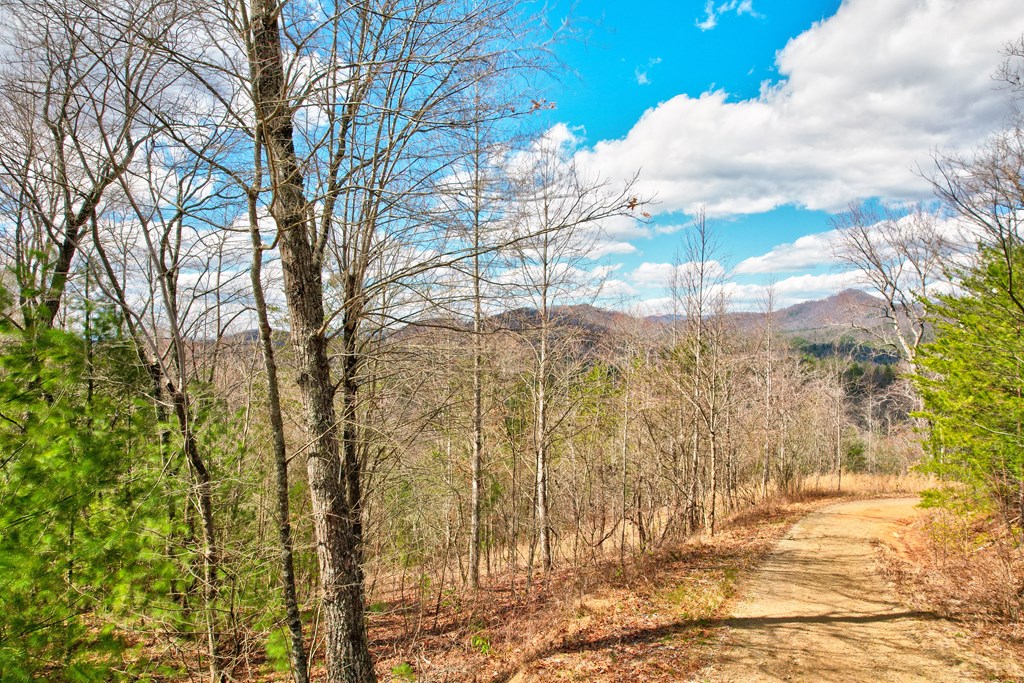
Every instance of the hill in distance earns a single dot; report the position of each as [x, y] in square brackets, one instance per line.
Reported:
[848, 312]
[848, 315]
[845, 316]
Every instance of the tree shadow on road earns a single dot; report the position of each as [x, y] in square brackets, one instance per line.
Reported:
[682, 626]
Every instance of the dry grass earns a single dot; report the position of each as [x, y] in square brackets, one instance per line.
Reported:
[638, 621]
[652, 619]
[912, 483]
[967, 569]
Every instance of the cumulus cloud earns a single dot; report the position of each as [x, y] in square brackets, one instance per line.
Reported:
[670, 229]
[614, 291]
[661, 305]
[751, 297]
[623, 227]
[864, 97]
[661, 274]
[609, 248]
[652, 274]
[809, 251]
[791, 290]
[819, 249]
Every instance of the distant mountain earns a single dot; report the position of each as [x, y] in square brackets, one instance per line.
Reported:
[849, 310]
[587, 327]
[843, 315]
[583, 316]
[848, 315]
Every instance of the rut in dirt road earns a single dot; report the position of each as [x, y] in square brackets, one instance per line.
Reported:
[819, 611]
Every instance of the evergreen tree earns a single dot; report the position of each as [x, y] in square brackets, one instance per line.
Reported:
[76, 487]
[973, 379]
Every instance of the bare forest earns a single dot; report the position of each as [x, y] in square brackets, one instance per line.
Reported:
[305, 360]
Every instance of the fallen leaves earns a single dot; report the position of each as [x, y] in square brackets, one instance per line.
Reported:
[652, 620]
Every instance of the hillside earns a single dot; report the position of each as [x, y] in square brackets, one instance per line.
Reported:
[845, 314]
[849, 310]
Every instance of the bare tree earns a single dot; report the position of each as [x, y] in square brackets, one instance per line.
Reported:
[73, 115]
[374, 132]
[559, 225]
[1012, 70]
[477, 197]
[902, 258]
[698, 283]
[769, 368]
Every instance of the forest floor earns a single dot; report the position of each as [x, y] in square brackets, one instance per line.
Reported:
[651, 618]
[800, 590]
[803, 589]
[662, 616]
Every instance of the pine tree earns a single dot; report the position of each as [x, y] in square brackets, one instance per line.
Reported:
[73, 480]
[972, 383]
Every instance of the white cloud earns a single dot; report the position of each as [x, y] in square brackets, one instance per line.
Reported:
[710, 17]
[672, 228]
[641, 73]
[652, 274]
[867, 95]
[553, 147]
[661, 305]
[818, 249]
[609, 248]
[660, 274]
[808, 251]
[713, 12]
[792, 290]
[613, 292]
[624, 227]
[751, 297]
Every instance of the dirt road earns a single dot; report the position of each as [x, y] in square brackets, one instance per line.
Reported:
[819, 611]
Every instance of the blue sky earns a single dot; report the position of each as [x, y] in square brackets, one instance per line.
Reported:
[772, 115]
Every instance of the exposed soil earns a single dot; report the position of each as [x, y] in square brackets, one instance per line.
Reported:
[769, 598]
[819, 610]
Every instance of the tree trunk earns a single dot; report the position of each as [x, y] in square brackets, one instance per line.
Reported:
[333, 483]
[300, 664]
[204, 495]
[693, 510]
[541, 493]
[839, 451]
[478, 437]
[625, 472]
[714, 482]
[181, 401]
[766, 471]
